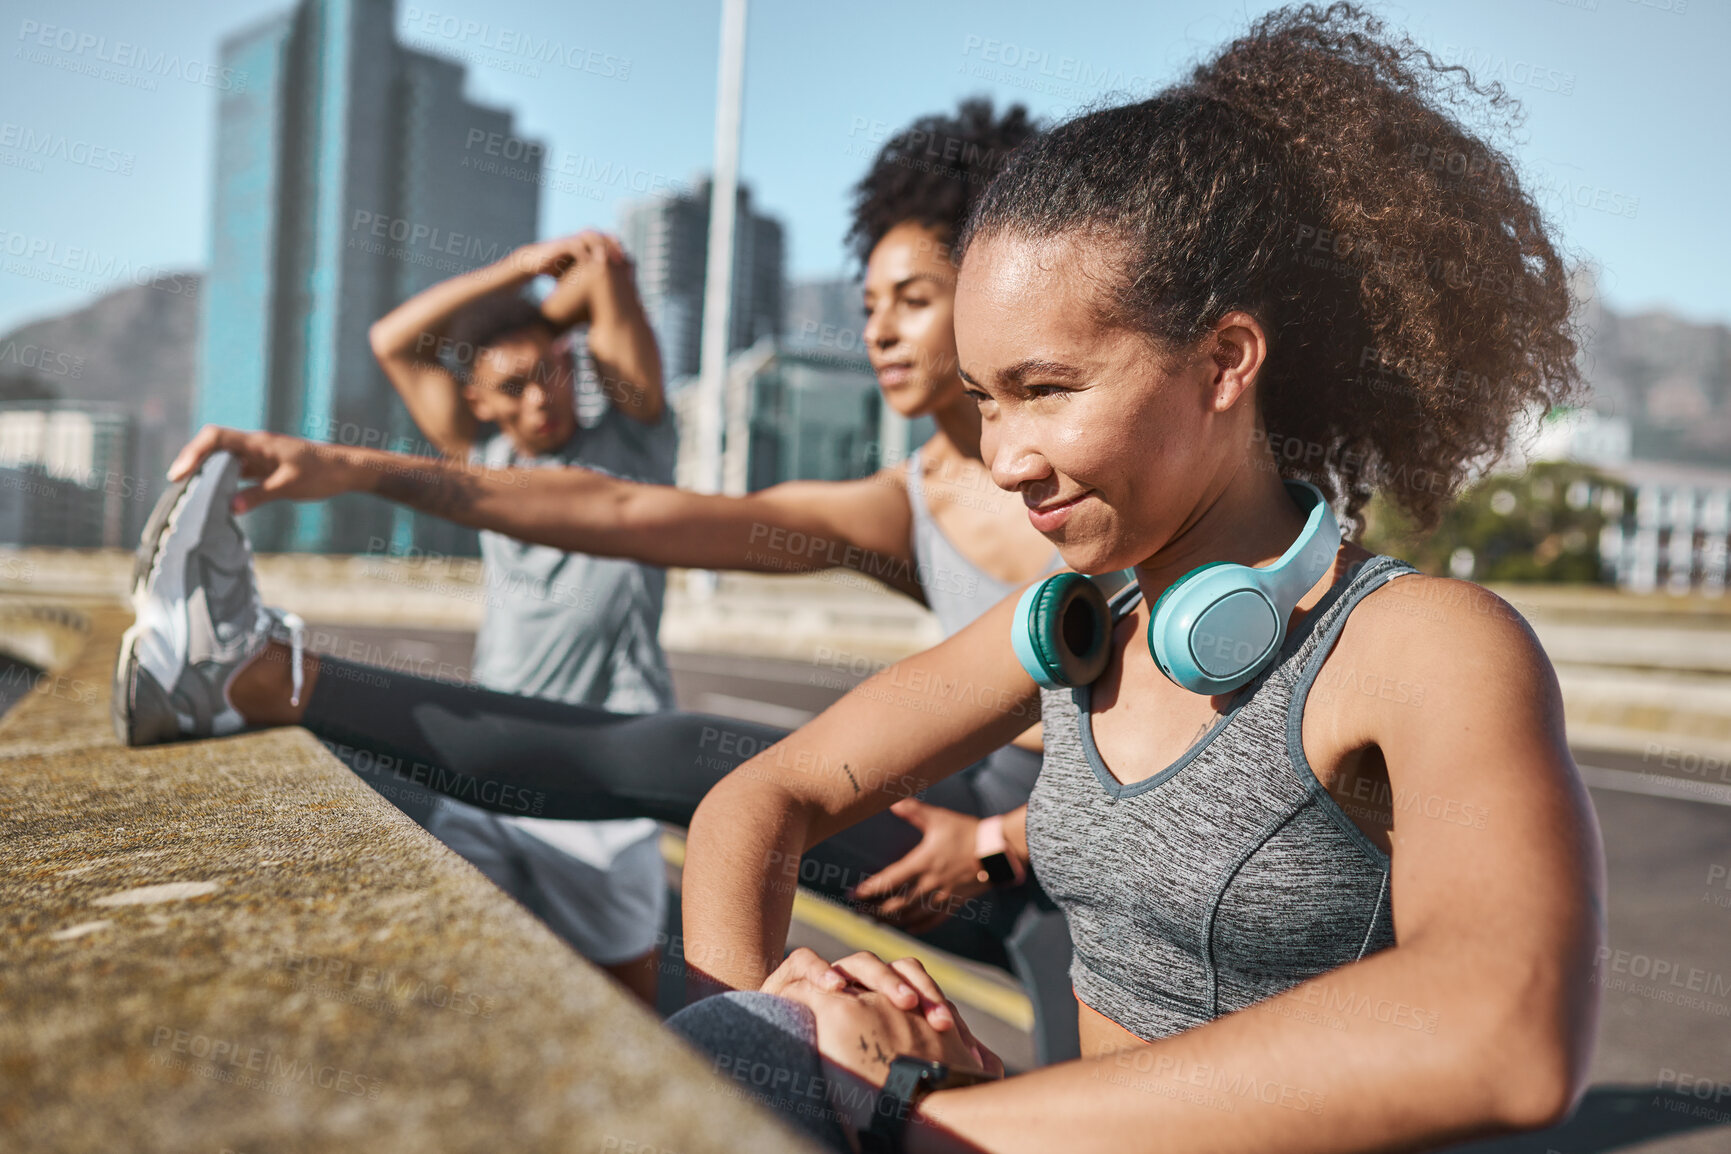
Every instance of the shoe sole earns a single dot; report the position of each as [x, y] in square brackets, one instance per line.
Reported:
[141, 711]
[139, 706]
[155, 529]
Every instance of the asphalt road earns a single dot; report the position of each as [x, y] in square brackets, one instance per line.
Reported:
[1662, 1067]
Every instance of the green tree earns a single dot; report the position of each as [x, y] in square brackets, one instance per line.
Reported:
[1541, 525]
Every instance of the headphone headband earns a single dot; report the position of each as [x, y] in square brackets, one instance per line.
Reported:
[1309, 555]
[1211, 631]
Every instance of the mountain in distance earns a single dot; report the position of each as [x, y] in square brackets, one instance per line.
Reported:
[136, 349]
[1668, 377]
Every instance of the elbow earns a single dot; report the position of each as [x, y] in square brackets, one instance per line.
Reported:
[1536, 1096]
[723, 800]
[387, 347]
[1541, 1073]
[378, 340]
[749, 788]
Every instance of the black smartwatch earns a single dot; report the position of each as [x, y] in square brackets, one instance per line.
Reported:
[909, 1080]
[992, 851]
[996, 870]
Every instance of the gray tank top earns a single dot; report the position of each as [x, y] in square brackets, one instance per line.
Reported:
[569, 626]
[956, 589]
[1228, 876]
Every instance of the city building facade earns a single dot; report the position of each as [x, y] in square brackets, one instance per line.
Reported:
[351, 172]
[798, 412]
[668, 239]
[68, 475]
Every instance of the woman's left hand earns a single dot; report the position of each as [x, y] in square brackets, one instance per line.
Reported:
[918, 892]
[904, 984]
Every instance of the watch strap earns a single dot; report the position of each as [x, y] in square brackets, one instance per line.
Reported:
[909, 1080]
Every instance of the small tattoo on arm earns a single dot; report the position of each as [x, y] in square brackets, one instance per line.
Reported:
[436, 489]
[850, 777]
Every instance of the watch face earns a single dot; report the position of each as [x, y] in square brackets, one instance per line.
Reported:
[998, 869]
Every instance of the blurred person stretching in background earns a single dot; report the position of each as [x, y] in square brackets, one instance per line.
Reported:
[563, 626]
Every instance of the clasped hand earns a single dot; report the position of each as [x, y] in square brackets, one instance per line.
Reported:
[869, 1011]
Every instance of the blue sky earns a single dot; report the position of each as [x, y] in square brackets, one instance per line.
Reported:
[1626, 106]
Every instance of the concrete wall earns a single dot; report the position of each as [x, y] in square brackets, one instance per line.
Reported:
[236, 945]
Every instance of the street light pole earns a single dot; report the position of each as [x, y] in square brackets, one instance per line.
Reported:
[718, 273]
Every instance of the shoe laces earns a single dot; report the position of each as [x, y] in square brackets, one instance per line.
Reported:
[283, 621]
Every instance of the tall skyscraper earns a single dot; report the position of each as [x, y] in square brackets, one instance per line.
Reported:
[668, 238]
[351, 172]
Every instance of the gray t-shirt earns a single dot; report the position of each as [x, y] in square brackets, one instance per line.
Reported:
[568, 626]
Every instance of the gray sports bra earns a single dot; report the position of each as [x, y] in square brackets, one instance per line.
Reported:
[956, 589]
[1228, 876]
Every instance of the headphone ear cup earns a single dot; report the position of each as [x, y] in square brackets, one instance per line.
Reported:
[1217, 632]
[1060, 631]
[1157, 640]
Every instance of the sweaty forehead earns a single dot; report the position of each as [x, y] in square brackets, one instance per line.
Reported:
[1016, 294]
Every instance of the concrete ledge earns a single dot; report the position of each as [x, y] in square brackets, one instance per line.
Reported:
[46, 635]
[236, 944]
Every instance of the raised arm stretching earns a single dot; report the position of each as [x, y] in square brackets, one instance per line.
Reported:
[407, 340]
[600, 290]
[595, 288]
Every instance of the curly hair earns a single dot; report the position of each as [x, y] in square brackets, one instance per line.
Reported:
[1316, 174]
[484, 322]
[934, 170]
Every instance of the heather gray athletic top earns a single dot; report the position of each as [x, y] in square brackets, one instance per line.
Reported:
[1228, 876]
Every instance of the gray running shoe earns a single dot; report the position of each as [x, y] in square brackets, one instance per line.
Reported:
[197, 616]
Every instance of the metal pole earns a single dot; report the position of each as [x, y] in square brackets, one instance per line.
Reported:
[718, 273]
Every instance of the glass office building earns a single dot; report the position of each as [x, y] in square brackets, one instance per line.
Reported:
[668, 238]
[351, 172]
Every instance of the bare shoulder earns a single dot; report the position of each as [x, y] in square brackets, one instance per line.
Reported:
[870, 512]
[1447, 616]
[1467, 646]
[893, 477]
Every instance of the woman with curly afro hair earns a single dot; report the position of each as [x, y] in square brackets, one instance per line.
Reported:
[1332, 878]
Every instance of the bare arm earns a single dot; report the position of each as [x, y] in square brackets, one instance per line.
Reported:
[913, 723]
[797, 527]
[601, 289]
[1480, 1021]
[407, 340]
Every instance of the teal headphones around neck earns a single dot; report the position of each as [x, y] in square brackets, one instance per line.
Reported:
[1213, 629]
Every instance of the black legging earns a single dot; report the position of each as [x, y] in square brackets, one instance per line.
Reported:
[528, 756]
